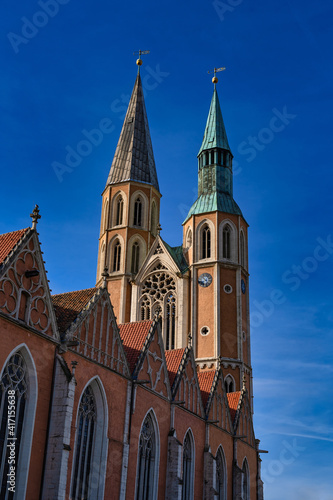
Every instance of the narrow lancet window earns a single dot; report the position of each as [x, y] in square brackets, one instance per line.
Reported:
[187, 468]
[146, 461]
[170, 319]
[13, 395]
[116, 256]
[137, 212]
[84, 446]
[206, 243]
[135, 258]
[226, 242]
[220, 476]
[120, 210]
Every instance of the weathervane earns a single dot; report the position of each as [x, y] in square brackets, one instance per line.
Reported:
[140, 53]
[215, 70]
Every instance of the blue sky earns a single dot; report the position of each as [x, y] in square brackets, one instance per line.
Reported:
[76, 69]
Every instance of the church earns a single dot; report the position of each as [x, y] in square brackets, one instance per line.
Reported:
[139, 387]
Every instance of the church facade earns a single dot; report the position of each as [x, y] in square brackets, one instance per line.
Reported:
[141, 386]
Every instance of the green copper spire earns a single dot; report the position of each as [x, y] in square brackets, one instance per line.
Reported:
[215, 179]
[215, 134]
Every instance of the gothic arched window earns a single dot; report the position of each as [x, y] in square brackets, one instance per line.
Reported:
[147, 457]
[245, 481]
[229, 384]
[13, 398]
[187, 491]
[242, 249]
[116, 256]
[145, 308]
[220, 480]
[84, 445]
[137, 221]
[119, 211]
[205, 243]
[170, 322]
[135, 258]
[227, 242]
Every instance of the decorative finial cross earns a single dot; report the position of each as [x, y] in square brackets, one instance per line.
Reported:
[35, 216]
[215, 70]
[140, 53]
[189, 340]
[105, 275]
[158, 229]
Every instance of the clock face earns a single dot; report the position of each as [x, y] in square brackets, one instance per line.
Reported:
[243, 286]
[205, 279]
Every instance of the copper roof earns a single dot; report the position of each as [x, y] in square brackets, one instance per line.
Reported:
[206, 379]
[68, 306]
[233, 400]
[173, 359]
[133, 336]
[134, 158]
[8, 242]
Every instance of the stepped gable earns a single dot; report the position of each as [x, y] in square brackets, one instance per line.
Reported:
[233, 401]
[173, 360]
[133, 336]
[206, 379]
[68, 306]
[8, 241]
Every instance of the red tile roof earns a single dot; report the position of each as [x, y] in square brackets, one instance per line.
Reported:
[173, 359]
[233, 400]
[206, 379]
[8, 241]
[133, 336]
[68, 306]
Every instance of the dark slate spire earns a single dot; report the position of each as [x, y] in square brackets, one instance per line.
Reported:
[134, 158]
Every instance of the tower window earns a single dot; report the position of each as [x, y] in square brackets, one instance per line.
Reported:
[116, 256]
[135, 258]
[212, 161]
[84, 445]
[219, 157]
[120, 210]
[206, 158]
[206, 243]
[137, 212]
[226, 242]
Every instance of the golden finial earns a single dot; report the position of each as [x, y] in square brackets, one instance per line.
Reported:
[215, 70]
[140, 52]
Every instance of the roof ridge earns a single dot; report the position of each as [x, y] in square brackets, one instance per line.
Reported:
[74, 291]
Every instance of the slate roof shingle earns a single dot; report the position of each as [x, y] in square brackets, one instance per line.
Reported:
[68, 306]
[8, 242]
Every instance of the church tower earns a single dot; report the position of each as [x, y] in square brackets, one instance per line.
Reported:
[215, 238]
[130, 206]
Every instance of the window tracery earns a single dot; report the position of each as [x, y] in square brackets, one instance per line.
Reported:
[84, 445]
[146, 461]
[159, 292]
[120, 211]
[13, 386]
[137, 221]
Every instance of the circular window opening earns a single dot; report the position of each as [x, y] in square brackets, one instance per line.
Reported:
[227, 288]
[204, 330]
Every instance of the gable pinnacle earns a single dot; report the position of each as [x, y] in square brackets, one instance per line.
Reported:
[244, 382]
[35, 216]
[105, 275]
